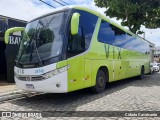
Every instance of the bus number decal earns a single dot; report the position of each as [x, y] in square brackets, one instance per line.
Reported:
[39, 71]
[20, 71]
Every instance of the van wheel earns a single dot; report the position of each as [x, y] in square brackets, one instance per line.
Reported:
[100, 82]
[142, 73]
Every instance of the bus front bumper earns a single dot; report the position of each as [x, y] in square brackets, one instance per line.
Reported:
[55, 84]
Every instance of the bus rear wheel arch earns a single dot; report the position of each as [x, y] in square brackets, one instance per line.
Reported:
[101, 80]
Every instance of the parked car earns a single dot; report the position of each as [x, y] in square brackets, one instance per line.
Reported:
[151, 68]
[156, 67]
[159, 65]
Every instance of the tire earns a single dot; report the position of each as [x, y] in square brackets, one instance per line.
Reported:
[141, 76]
[100, 82]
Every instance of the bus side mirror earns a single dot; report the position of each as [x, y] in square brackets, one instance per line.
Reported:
[11, 30]
[75, 23]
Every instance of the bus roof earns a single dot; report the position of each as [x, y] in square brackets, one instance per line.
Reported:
[92, 12]
[84, 9]
[67, 8]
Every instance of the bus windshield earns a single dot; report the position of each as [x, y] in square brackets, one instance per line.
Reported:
[42, 39]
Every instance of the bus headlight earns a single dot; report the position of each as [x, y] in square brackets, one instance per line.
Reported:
[55, 72]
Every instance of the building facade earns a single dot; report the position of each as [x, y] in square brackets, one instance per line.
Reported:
[157, 54]
[8, 52]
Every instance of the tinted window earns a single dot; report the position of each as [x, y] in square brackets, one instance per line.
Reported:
[112, 35]
[81, 42]
[106, 34]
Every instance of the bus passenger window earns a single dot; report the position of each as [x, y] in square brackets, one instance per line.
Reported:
[81, 42]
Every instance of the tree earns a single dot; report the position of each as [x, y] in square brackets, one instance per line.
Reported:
[133, 13]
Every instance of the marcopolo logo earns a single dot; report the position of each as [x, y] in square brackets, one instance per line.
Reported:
[15, 38]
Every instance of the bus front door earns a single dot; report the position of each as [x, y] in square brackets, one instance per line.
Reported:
[76, 73]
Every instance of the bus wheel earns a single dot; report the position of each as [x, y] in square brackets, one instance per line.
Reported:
[100, 82]
[142, 73]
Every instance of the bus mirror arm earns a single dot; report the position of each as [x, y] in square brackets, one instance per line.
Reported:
[75, 23]
[11, 30]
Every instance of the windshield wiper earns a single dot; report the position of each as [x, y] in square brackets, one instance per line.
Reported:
[34, 42]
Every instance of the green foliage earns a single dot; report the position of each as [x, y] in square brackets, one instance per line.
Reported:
[133, 13]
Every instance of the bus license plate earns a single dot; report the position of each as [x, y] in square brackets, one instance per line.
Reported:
[29, 86]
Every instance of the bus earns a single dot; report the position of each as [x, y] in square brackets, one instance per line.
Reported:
[74, 48]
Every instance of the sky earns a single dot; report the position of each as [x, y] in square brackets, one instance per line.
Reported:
[30, 9]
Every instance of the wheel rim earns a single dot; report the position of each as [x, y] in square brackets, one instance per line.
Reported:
[100, 82]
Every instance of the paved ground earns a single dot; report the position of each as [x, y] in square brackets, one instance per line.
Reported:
[126, 95]
[6, 87]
